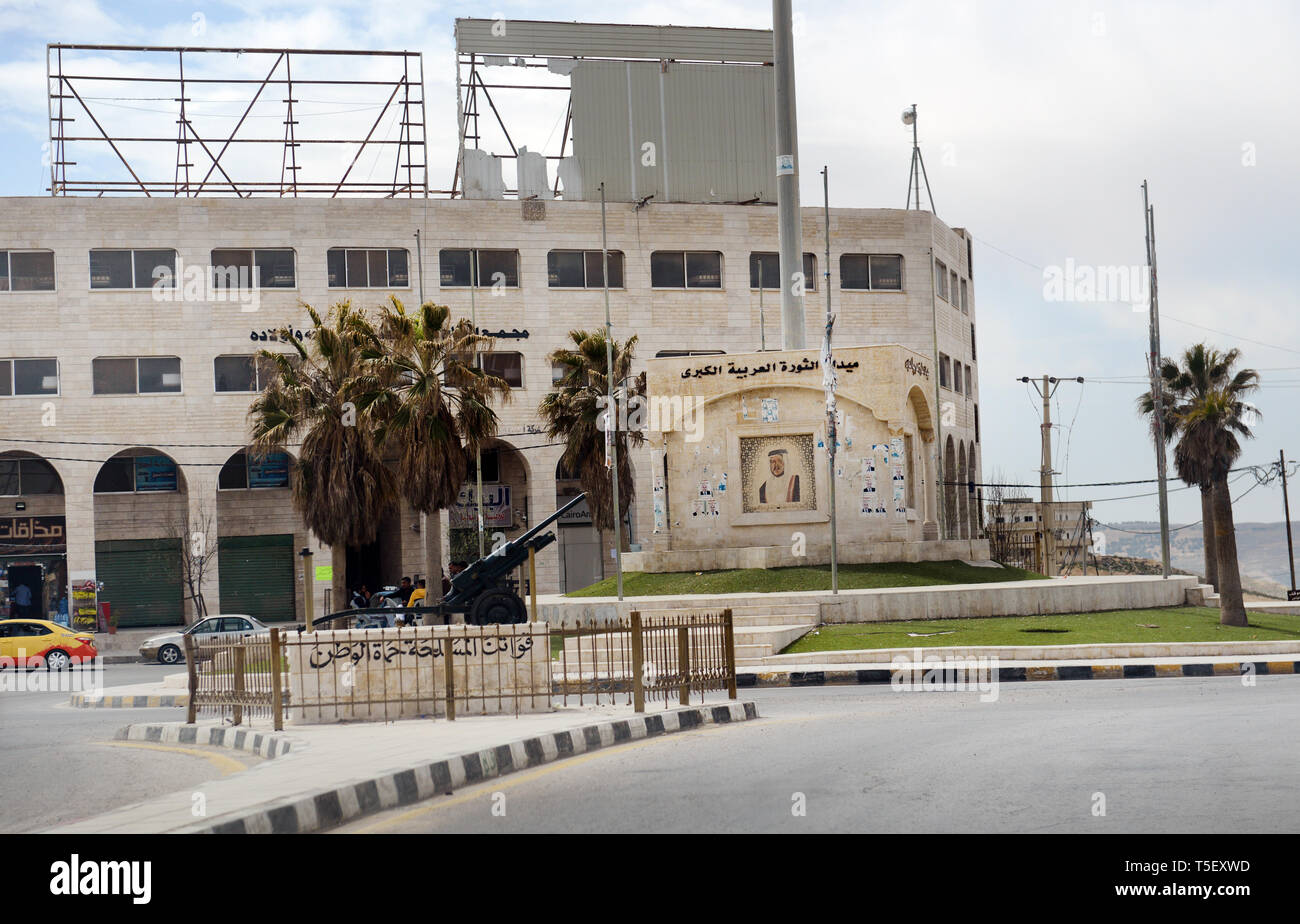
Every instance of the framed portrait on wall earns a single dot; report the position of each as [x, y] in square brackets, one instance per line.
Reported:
[777, 473]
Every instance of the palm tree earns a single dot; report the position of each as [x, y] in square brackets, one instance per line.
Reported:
[1207, 423]
[1202, 369]
[575, 411]
[430, 403]
[339, 483]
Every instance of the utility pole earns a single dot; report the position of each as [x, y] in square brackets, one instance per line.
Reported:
[478, 450]
[1046, 388]
[611, 408]
[790, 228]
[1286, 507]
[828, 381]
[1157, 384]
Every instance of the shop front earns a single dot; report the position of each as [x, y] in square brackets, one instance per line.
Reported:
[33, 568]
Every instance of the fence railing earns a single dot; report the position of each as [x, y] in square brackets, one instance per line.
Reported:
[237, 678]
[403, 672]
[646, 656]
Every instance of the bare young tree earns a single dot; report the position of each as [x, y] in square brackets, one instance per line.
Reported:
[997, 528]
[197, 536]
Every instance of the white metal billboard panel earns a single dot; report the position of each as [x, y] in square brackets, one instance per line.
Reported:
[608, 40]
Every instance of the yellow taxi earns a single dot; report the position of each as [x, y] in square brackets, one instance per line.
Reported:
[41, 643]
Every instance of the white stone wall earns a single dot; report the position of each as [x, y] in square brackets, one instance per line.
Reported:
[380, 674]
[201, 429]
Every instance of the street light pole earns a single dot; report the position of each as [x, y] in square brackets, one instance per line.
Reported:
[611, 408]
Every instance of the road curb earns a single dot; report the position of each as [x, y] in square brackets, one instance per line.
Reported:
[1138, 670]
[335, 805]
[143, 701]
[265, 744]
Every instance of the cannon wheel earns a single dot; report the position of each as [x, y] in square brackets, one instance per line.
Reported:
[497, 607]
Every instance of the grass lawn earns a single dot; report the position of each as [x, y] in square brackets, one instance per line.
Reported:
[1164, 624]
[774, 580]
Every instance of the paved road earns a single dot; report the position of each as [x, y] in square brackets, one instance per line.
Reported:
[58, 766]
[1168, 755]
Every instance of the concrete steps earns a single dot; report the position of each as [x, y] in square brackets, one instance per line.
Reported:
[760, 630]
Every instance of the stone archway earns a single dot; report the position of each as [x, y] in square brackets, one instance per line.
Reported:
[950, 526]
[140, 499]
[33, 539]
[963, 509]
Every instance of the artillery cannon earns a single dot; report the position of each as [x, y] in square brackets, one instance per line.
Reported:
[484, 591]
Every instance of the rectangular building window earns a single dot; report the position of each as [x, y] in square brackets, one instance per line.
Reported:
[941, 280]
[489, 460]
[766, 268]
[136, 375]
[29, 377]
[964, 307]
[26, 271]
[132, 269]
[943, 371]
[583, 269]
[692, 269]
[969, 390]
[136, 474]
[954, 287]
[871, 272]
[367, 268]
[263, 269]
[243, 373]
[977, 423]
[973, 358]
[494, 267]
[242, 471]
[28, 476]
[506, 365]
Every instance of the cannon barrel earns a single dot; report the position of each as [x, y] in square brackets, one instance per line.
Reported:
[522, 540]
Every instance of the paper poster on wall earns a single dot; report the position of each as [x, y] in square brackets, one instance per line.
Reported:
[771, 410]
[658, 493]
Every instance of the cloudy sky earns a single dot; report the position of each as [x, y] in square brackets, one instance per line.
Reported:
[1039, 121]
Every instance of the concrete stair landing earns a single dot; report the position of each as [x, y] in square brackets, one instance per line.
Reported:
[760, 631]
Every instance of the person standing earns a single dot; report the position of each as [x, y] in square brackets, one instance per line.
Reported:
[23, 601]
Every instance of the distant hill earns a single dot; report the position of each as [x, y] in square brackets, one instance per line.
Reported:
[1261, 549]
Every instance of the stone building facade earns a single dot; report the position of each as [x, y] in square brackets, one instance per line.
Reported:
[147, 396]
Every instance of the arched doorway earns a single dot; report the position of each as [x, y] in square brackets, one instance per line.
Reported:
[505, 474]
[963, 510]
[950, 525]
[256, 530]
[33, 539]
[140, 500]
[578, 537]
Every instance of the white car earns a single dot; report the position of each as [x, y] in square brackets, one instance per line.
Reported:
[169, 648]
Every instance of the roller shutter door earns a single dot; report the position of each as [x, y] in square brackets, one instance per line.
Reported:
[257, 576]
[141, 578]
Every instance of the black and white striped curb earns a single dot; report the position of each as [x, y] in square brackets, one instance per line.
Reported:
[1129, 671]
[149, 701]
[335, 805]
[265, 744]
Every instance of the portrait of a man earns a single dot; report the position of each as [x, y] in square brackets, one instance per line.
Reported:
[781, 486]
[777, 473]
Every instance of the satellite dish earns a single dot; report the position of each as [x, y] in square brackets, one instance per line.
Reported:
[909, 116]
